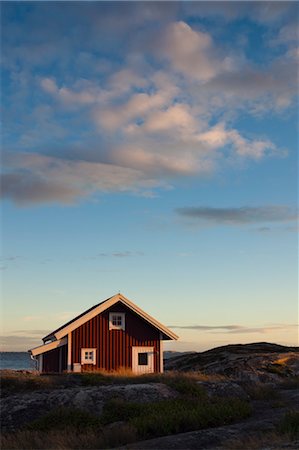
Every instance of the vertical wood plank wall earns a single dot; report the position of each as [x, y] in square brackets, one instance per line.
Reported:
[114, 347]
[55, 360]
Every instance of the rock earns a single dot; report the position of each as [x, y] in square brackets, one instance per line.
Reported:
[18, 410]
[224, 389]
[260, 362]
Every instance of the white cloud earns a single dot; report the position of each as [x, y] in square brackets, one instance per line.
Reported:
[175, 117]
[162, 109]
[191, 52]
[137, 106]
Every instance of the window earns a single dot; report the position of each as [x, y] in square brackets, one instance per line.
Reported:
[116, 321]
[88, 356]
[142, 359]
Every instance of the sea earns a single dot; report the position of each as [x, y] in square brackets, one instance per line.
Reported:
[16, 361]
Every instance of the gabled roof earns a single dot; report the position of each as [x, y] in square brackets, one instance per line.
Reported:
[90, 313]
[51, 335]
[47, 347]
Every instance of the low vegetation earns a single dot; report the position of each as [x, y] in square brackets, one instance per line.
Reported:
[290, 425]
[122, 422]
[15, 382]
[286, 431]
[259, 391]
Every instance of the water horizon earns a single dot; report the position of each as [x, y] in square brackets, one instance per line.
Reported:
[16, 361]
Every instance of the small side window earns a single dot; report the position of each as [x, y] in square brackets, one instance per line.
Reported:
[116, 321]
[88, 356]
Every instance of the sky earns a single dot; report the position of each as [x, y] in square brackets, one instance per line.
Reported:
[150, 148]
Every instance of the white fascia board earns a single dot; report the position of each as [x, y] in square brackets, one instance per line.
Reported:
[46, 347]
[88, 316]
[99, 309]
[149, 319]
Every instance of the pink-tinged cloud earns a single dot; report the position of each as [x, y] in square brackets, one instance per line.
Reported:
[191, 52]
[37, 178]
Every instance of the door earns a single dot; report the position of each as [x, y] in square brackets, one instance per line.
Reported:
[143, 359]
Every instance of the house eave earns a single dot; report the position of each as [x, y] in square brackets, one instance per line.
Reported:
[170, 335]
[47, 347]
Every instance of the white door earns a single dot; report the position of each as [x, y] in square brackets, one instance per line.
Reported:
[143, 359]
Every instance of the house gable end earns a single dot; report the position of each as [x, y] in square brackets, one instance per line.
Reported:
[107, 304]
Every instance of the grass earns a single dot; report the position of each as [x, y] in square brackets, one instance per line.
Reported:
[290, 425]
[290, 383]
[261, 391]
[69, 438]
[123, 422]
[62, 417]
[181, 415]
[15, 382]
[66, 428]
[286, 432]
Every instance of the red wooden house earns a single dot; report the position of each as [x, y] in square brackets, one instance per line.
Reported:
[111, 335]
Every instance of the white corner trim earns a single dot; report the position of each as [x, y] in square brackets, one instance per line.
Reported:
[46, 347]
[107, 304]
[161, 354]
[40, 362]
[69, 352]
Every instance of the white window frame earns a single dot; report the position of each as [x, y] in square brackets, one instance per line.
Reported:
[112, 326]
[88, 361]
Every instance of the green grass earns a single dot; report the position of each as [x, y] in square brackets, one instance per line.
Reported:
[61, 418]
[175, 415]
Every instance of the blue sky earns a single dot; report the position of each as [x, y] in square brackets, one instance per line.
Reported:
[151, 148]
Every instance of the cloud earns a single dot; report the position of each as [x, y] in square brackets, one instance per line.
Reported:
[259, 89]
[10, 258]
[241, 215]
[85, 93]
[37, 178]
[32, 332]
[18, 343]
[265, 12]
[137, 106]
[32, 318]
[235, 329]
[177, 116]
[21, 340]
[190, 52]
[158, 105]
[118, 254]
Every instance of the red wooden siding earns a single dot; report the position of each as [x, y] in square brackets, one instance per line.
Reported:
[114, 347]
[55, 360]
